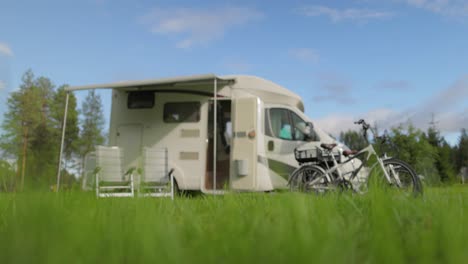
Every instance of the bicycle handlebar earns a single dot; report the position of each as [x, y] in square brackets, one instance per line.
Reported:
[365, 127]
[382, 139]
[362, 122]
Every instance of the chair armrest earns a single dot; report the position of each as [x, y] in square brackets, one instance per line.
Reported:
[139, 171]
[96, 170]
[130, 171]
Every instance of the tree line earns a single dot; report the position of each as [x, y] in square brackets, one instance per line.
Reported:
[427, 151]
[33, 122]
[32, 129]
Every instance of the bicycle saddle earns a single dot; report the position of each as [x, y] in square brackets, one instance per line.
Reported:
[346, 153]
[328, 146]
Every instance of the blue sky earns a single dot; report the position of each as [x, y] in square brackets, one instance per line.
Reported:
[389, 61]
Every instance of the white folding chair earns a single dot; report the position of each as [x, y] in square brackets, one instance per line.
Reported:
[88, 173]
[156, 180]
[111, 181]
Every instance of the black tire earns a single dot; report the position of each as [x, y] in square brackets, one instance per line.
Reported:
[410, 181]
[302, 179]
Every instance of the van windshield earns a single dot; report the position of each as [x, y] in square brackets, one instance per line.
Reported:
[285, 124]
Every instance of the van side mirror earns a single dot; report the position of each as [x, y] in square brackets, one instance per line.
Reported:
[311, 135]
[310, 129]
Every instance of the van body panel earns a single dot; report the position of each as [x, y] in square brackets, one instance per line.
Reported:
[244, 144]
[258, 160]
[185, 141]
[129, 138]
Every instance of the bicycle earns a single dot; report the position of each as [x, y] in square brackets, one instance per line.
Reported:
[326, 168]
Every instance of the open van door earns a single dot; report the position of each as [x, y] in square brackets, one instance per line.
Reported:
[244, 144]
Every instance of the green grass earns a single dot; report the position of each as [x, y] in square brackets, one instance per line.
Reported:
[379, 227]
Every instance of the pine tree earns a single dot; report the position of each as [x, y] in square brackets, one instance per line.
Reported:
[7, 176]
[44, 143]
[71, 140]
[442, 150]
[32, 129]
[71, 144]
[353, 139]
[410, 145]
[21, 119]
[92, 124]
[462, 151]
[447, 164]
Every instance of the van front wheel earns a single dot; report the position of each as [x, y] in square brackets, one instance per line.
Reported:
[409, 180]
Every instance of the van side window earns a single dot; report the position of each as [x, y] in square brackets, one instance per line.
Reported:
[299, 127]
[281, 123]
[180, 112]
[140, 100]
[268, 129]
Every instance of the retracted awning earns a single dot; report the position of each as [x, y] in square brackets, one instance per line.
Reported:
[207, 81]
[175, 81]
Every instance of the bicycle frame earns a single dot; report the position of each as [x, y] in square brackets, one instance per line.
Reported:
[391, 176]
[337, 167]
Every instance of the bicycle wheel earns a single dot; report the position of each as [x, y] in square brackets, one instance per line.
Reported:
[308, 178]
[409, 180]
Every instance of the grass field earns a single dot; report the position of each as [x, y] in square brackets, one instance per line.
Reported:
[379, 227]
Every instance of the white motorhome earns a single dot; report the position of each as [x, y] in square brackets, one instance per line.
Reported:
[250, 147]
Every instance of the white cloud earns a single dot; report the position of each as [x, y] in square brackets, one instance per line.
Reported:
[453, 95]
[337, 15]
[453, 8]
[238, 66]
[393, 85]
[2, 85]
[197, 26]
[446, 106]
[100, 2]
[452, 121]
[450, 107]
[337, 122]
[305, 54]
[5, 50]
[334, 88]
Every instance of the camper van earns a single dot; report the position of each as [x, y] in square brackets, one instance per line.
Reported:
[233, 132]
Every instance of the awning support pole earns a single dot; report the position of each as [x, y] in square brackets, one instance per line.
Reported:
[215, 131]
[62, 142]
